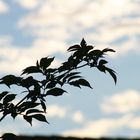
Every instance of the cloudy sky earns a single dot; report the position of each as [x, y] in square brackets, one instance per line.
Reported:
[31, 29]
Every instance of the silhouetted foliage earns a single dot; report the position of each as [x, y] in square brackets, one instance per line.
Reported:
[33, 105]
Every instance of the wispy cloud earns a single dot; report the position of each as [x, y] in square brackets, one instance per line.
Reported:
[105, 126]
[102, 21]
[99, 128]
[15, 59]
[78, 117]
[56, 111]
[3, 7]
[123, 102]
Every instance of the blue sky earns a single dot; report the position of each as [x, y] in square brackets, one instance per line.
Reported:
[31, 29]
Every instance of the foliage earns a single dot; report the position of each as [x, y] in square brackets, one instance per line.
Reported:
[33, 104]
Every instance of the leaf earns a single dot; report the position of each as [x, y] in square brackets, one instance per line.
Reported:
[102, 68]
[33, 111]
[102, 62]
[73, 77]
[95, 53]
[108, 49]
[4, 93]
[75, 83]
[46, 62]
[9, 98]
[55, 91]
[27, 105]
[40, 117]
[112, 73]
[29, 81]
[14, 113]
[80, 82]
[31, 69]
[10, 80]
[73, 48]
[83, 43]
[84, 82]
[28, 119]
[43, 106]
[70, 75]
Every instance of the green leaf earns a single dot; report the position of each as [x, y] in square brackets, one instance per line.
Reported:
[4, 93]
[46, 62]
[40, 117]
[55, 91]
[28, 119]
[9, 98]
[31, 69]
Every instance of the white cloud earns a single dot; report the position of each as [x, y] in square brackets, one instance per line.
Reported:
[15, 59]
[3, 7]
[63, 20]
[123, 102]
[100, 128]
[78, 117]
[28, 4]
[56, 111]
[5, 41]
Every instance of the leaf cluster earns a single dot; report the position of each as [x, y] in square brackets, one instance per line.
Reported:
[33, 104]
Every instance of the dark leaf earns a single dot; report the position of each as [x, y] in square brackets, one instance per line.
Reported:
[102, 68]
[33, 111]
[112, 73]
[3, 94]
[43, 106]
[95, 53]
[37, 64]
[14, 113]
[102, 62]
[28, 119]
[31, 69]
[10, 80]
[27, 105]
[29, 81]
[69, 75]
[73, 77]
[9, 98]
[51, 84]
[50, 70]
[108, 49]
[55, 91]
[40, 117]
[46, 62]
[84, 82]
[83, 43]
[73, 48]
[75, 83]
[80, 82]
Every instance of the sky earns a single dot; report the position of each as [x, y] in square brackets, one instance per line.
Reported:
[32, 29]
